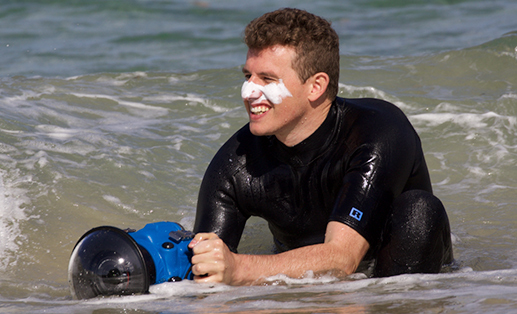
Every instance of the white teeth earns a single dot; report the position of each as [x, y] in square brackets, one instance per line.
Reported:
[259, 109]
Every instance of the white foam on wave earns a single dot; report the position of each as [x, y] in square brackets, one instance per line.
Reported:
[508, 96]
[119, 80]
[309, 278]
[144, 110]
[189, 99]
[357, 295]
[361, 292]
[491, 132]
[59, 133]
[370, 91]
[465, 120]
[118, 203]
[32, 112]
[12, 199]
[512, 54]
[81, 127]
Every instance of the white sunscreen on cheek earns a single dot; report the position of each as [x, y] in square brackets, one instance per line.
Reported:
[274, 92]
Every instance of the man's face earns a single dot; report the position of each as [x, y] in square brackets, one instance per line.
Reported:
[274, 96]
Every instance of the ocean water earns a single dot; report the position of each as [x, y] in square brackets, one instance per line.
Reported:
[110, 112]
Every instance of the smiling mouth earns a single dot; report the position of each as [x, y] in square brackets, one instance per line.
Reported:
[259, 109]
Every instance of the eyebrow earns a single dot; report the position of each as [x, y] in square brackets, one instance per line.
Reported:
[268, 74]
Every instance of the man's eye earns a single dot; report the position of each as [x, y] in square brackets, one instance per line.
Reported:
[247, 77]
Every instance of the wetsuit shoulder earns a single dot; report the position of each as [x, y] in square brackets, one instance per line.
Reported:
[372, 111]
[384, 158]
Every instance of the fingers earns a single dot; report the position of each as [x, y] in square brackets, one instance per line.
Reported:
[199, 237]
[210, 259]
[208, 279]
[208, 272]
[209, 251]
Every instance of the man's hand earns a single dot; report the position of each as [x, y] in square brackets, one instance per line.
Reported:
[212, 260]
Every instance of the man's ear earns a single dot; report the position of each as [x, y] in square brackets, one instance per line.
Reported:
[319, 84]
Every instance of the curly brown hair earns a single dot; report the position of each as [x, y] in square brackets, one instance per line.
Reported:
[314, 40]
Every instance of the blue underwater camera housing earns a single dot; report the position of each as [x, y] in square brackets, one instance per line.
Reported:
[110, 261]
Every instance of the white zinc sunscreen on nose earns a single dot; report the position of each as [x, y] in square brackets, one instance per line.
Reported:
[274, 92]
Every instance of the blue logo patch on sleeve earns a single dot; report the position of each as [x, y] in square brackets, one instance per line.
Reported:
[356, 214]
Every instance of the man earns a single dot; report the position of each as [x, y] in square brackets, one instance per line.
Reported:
[339, 181]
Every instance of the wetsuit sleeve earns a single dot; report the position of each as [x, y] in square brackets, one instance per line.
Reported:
[217, 208]
[383, 153]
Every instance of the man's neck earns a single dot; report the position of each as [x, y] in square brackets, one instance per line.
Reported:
[310, 123]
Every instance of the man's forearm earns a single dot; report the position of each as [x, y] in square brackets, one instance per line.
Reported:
[319, 258]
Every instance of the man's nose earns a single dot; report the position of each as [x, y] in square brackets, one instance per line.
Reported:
[251, 90]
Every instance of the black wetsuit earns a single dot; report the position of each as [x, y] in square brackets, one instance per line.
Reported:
[356, 168]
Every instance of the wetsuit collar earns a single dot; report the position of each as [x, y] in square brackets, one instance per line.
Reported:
[312, 147]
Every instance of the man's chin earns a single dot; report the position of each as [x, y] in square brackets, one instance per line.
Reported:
[258, 131]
